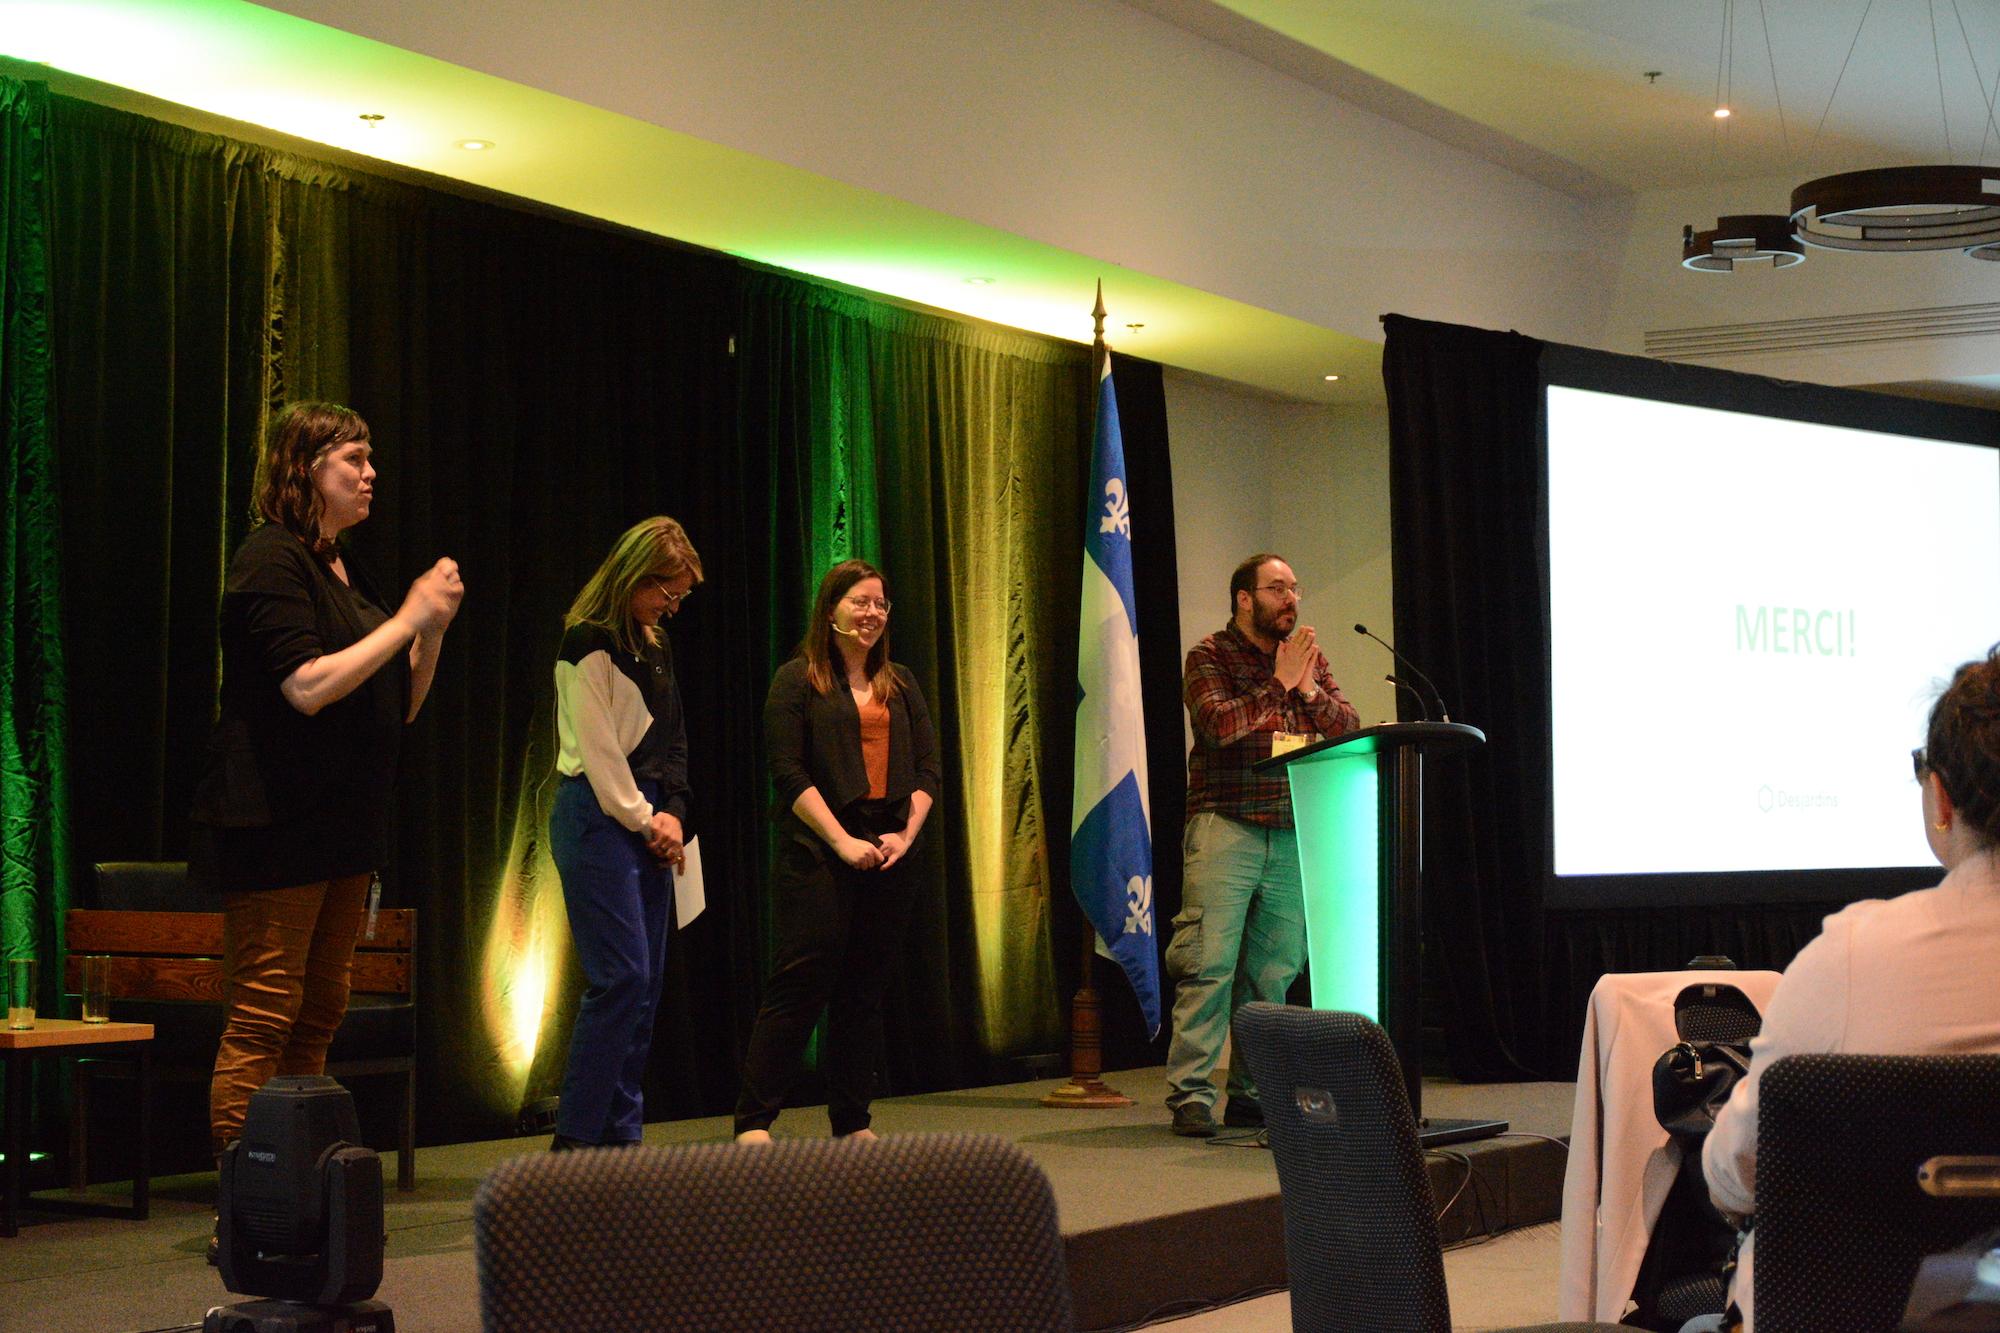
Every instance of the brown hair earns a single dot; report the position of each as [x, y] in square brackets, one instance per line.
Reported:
[817, 646]
[656, 545]
[1963, 743]
[1244, 577]
[282, 489]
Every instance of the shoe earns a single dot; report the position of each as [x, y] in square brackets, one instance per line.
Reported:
[1242, 1113]
[215, 1244]
[564, 1143]
[1193, 1121]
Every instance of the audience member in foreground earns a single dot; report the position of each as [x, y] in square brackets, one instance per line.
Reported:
[856, 770]
[1907, 976]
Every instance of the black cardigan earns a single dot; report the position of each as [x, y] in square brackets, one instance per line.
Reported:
[268, 763]
[814, 740]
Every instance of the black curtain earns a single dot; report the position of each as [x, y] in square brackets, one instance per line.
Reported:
[533, 387]
[1468, 544]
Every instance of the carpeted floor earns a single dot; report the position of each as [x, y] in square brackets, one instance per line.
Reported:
[113, 1276]
[1500, 1283]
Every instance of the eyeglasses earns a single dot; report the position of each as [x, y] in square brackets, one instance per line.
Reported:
[1291, 590]
[674, 599]
[863, 603]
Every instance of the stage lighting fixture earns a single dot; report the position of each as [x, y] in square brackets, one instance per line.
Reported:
[299, 1216]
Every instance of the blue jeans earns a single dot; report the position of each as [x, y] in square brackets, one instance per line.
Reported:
[620, 902]
[1240, 936]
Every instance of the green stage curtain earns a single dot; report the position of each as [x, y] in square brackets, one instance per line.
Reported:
[953, 457]
[34, 724]
[534, 385]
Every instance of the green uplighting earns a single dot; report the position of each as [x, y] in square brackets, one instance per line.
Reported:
[1335, 807]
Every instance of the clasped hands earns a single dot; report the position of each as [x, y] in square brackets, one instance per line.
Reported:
[663, 839]
[1297, 656]
[860, 854]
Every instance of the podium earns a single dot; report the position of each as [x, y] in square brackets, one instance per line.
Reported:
[1358, 806]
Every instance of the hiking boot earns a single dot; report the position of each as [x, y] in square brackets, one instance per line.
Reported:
[1193, 1121]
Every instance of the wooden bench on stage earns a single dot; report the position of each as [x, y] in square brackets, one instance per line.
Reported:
[166, 970]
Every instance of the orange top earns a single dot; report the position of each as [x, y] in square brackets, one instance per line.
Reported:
[875, 746]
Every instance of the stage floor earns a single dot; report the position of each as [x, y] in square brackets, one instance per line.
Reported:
[1200, 1220]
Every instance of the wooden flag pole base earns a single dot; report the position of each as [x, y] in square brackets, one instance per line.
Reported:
[1086, 1047]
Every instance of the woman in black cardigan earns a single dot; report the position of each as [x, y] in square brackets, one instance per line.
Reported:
[855, 765]
[291, 817]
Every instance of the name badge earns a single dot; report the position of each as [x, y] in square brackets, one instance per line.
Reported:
[1284, 742]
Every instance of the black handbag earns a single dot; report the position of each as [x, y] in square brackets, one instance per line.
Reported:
[1692, 1080]
[1681, 1274]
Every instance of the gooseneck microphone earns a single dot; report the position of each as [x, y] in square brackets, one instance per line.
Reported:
[1423, 704]
[1444, 714]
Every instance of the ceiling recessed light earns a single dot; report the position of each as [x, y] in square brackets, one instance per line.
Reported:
[979, 282]
[1722, 113]
[1331, 378]
[475, 145]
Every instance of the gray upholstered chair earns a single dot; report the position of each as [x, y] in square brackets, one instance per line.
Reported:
[1361, 1236]
[920, 1231]
[1843, 1219]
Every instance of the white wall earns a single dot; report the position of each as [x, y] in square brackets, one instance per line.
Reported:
[1330, 477]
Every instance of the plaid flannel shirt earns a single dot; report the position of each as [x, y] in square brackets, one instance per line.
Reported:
[1235, 703]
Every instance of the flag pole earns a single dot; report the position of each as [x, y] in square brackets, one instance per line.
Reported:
[1085, 1088]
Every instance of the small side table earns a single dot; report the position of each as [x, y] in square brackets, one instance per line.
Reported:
[59, 1037]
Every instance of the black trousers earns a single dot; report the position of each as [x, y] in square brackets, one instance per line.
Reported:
[837, 933]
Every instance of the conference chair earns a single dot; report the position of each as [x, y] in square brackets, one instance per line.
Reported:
[911, 1232]
[1843, 1213]
[1361, 1236]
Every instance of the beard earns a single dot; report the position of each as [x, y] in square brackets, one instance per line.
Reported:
[1276, 624]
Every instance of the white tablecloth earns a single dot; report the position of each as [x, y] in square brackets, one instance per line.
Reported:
[1620, 1161]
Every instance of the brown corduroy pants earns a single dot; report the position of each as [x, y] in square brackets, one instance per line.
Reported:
[287, 963]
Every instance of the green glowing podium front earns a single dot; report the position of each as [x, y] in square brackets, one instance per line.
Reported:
[1358, 804]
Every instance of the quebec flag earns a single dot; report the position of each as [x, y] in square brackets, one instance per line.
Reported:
[1111, 842]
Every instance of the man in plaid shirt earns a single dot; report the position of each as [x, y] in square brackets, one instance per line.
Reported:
[1241, 933]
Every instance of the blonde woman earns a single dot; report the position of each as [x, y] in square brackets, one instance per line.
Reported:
[617, 825]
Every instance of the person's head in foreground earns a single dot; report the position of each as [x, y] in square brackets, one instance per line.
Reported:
[1959, 765]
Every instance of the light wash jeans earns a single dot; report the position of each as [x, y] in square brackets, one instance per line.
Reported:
[1241, 936]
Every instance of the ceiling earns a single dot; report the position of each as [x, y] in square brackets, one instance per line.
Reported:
[1505, 79]
[1814, 86]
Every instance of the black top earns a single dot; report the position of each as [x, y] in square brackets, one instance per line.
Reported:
[269, 766]
[639, 715]
[814, 740]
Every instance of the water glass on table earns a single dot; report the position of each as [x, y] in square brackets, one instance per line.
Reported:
[96, 984]
[21, 980]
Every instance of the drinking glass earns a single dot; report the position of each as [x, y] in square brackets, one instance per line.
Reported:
[97, 988]
[21, 978]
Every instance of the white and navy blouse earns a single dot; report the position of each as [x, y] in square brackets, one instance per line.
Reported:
[619, 723]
